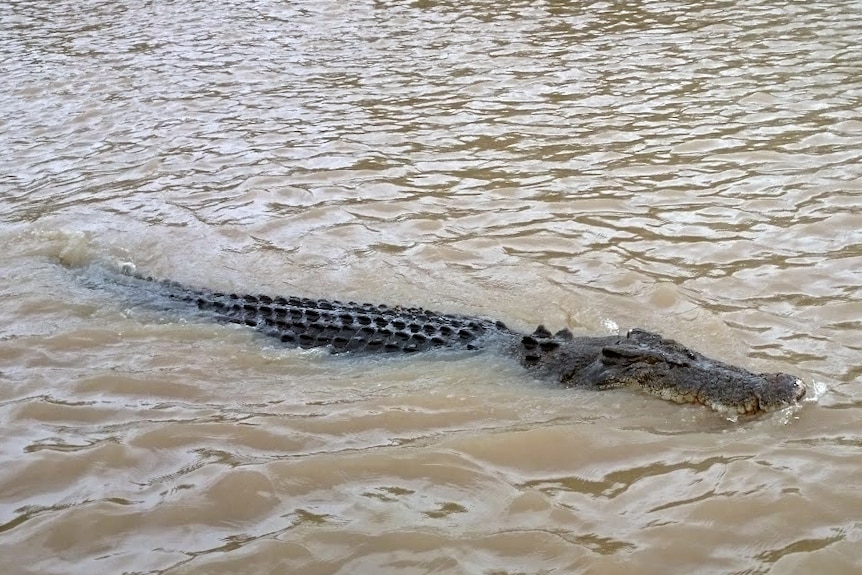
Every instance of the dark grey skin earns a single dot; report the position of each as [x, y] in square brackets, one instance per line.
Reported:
[641, 359]
[659, 366]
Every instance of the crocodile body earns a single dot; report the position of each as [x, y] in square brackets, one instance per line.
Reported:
[640, 359]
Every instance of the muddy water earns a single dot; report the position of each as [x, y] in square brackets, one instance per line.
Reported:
[690, 168]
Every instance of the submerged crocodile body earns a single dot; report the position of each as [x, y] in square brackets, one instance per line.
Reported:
[640, 359]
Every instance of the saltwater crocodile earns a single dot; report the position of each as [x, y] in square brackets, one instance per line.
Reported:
[640, 359]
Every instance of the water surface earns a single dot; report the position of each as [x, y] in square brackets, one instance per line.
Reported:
[691, 168]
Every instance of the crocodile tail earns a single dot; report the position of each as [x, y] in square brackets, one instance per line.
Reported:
[306, 322]
[136, 289]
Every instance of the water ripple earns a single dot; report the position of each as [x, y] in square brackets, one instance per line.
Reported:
[693, 168]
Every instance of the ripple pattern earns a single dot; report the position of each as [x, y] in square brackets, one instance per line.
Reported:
[692, 168]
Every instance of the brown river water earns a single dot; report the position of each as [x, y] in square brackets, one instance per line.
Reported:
[690, 168]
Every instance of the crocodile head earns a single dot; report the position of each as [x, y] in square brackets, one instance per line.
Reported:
[661, 367]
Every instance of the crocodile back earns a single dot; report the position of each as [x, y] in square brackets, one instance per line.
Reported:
[350, 326]
[309, 323]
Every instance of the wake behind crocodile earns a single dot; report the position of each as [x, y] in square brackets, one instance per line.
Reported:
[640, 359]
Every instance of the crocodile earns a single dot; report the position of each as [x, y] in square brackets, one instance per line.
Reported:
[640, 359]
